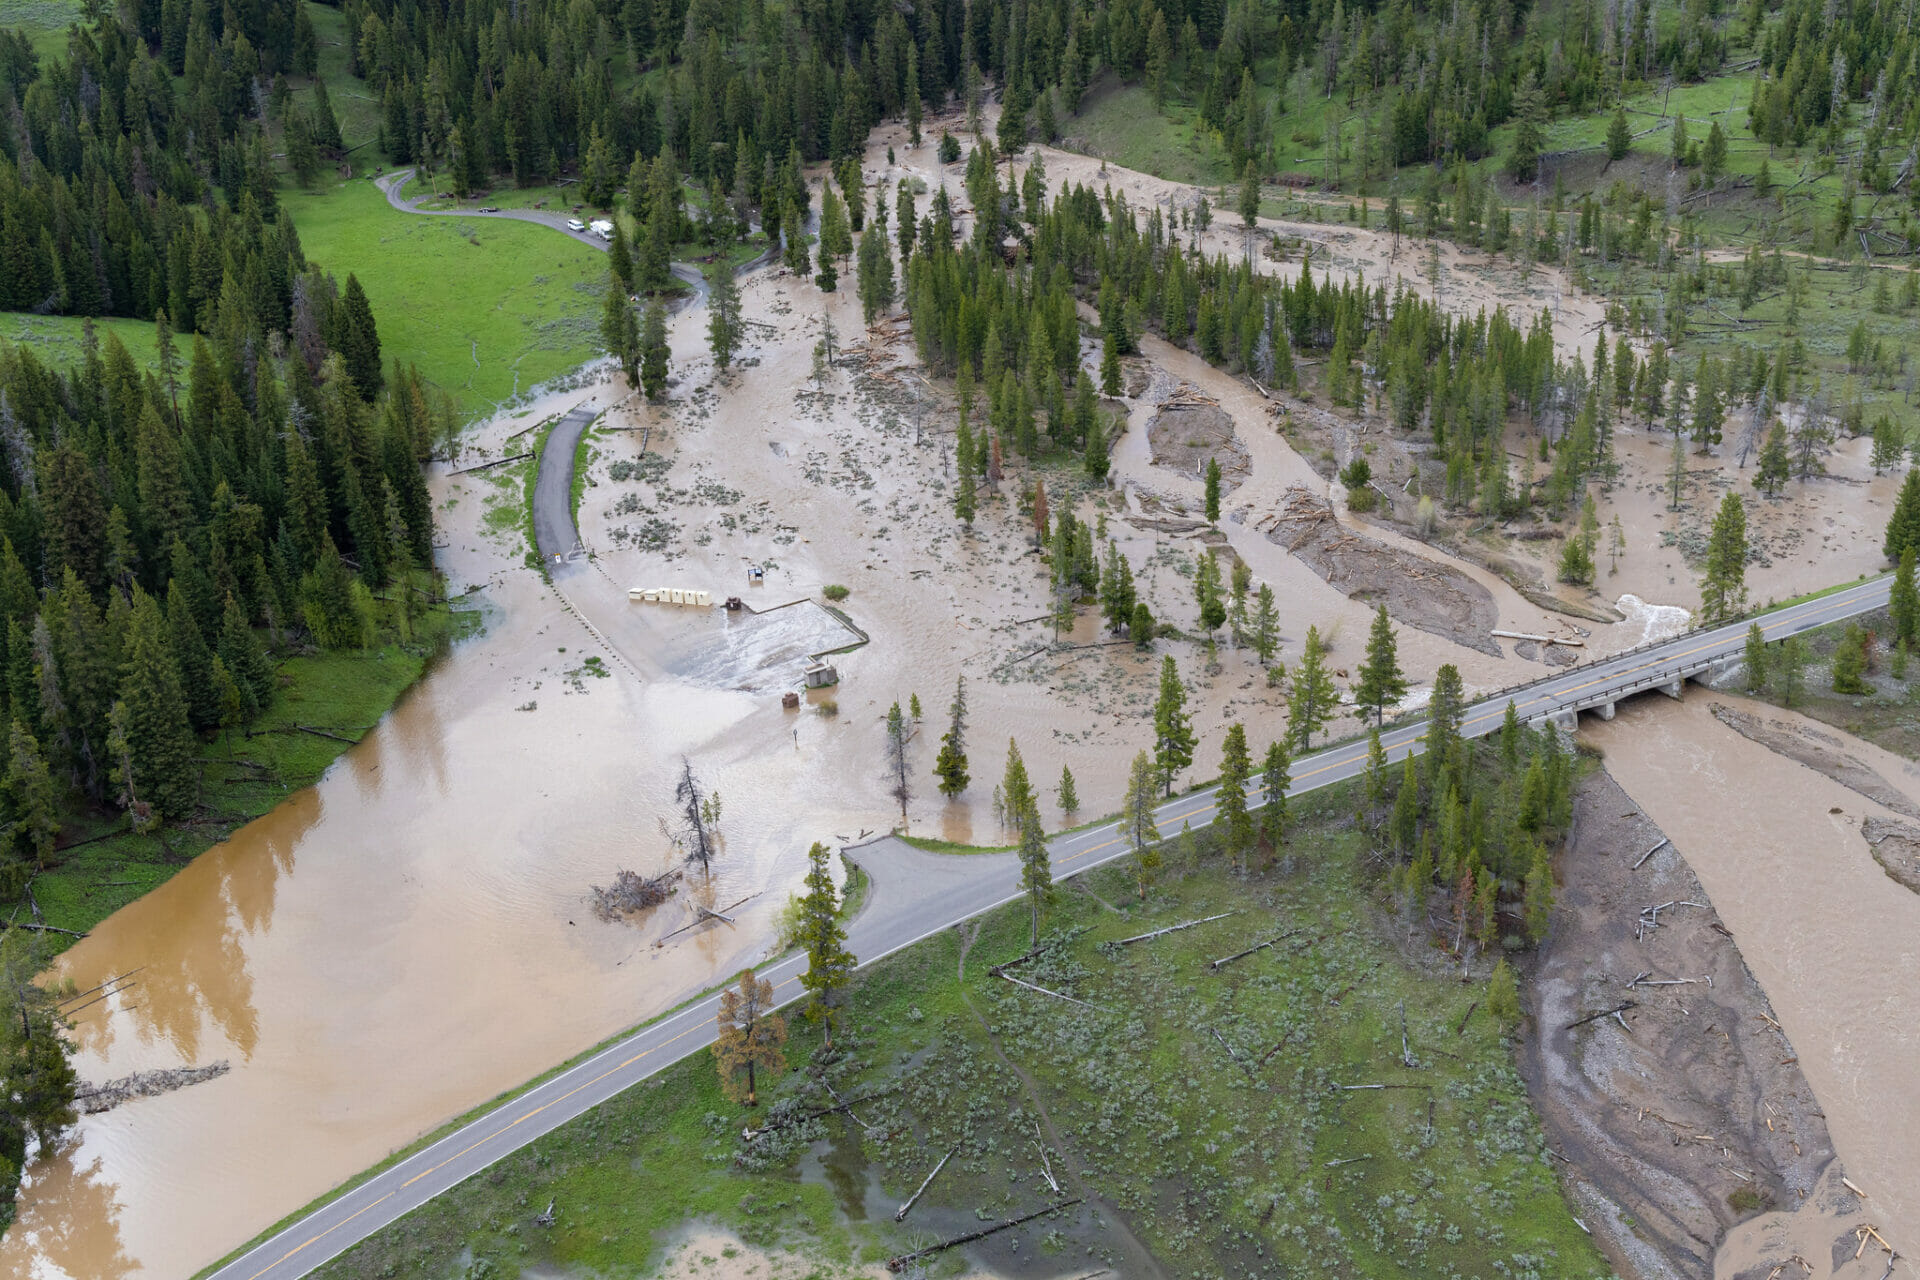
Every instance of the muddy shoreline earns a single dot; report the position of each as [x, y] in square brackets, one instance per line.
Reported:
[1687, 1121]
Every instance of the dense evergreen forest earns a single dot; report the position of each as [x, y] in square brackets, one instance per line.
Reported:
[167, 534]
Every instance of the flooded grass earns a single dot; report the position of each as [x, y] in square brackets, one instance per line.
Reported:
[1210, 1163]
[104, 867]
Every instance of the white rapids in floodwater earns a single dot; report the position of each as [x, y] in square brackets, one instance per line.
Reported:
[1652, 621]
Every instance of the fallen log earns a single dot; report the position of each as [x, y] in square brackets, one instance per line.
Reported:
[1335, 1164]
[900, 1214]
[1463, 1017]
[322, 733]
[1215, 965]
[498, 462]
[109, 982]
[41, 928]
[1173, 928]
[905, 1260]
[751, 1134]
[1649, 853]
[93, 1099]
[1604, 1013]
[701, 919]
[1043, 991]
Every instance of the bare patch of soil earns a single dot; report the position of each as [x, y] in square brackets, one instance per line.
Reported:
[1896, 847]
[1418, 592]
[1186, 433]
[1692, 1116]
[1822, 753]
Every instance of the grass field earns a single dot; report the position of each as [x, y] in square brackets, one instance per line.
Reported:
[57, 340]
[486, 307]
[44, 21]
[1118, 123]
[343, 693]
[1219, 1167]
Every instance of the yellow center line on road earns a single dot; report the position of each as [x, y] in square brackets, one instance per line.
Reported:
[1335, 758]
[1352, 753]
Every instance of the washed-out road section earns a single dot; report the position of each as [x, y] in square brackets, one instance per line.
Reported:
[916, 894]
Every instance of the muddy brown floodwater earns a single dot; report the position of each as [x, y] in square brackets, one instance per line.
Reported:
[411, 937]
[1833, 940]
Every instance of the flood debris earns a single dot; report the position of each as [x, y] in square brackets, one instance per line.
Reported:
[630, 892]
[92, 1099]
[906, 1260]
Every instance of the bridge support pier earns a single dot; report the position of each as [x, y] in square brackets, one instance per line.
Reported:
[1674, 688]
[1604, 710]
[1564, 721]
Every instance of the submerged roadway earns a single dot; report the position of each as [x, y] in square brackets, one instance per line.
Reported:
[916, 894]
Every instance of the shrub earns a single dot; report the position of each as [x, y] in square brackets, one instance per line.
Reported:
[834, 591]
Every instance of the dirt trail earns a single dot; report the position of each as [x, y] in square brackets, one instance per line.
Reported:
[1828, 935]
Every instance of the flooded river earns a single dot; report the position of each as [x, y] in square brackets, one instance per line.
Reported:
[1833, 940]
[399, 943]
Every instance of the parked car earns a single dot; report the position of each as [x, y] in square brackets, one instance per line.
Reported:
[574, 224]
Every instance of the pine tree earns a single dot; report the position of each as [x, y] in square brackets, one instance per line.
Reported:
[1230, 796]
[1850, 663]
[1016, 789]
[1213, 491]
[1775, 465]
[654, 351]
[1723, 592]
[159, 740]
[1405, 822]
[32, 804]
[1903, 526]
[724, 329]
[1445, 711]
[1174, 739]
[1275, 778]
[829, 963]
[358, 340]
[1904, 601]
[950, 766]
[246, 658]
[1265, 640]
[1067, 797]
[1136, 820]
[875, 273]
[618, 333]
[1619, 134]
[1381, 683]
[1793, 670]
[1312, 699]
[752, 1038]
[1756, 659]
[1036, 873]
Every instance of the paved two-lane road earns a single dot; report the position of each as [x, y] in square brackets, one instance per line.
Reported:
[916, 894]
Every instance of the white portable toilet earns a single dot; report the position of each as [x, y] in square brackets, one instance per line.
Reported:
[704, 599]
[673, 595]
[636, 593]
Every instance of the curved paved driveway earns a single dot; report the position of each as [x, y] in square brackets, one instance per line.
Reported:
[916, 894]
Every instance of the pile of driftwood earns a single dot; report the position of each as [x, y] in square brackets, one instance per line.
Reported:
[91, 1099]
[630, 892]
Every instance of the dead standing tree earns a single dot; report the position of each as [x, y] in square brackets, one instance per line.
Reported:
[752, 1037]
[697, 831]
[898, 775]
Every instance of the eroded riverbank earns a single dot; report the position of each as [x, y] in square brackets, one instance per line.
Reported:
[1831, 938]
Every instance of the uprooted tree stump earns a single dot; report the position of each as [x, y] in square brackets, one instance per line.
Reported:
[630, 892]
